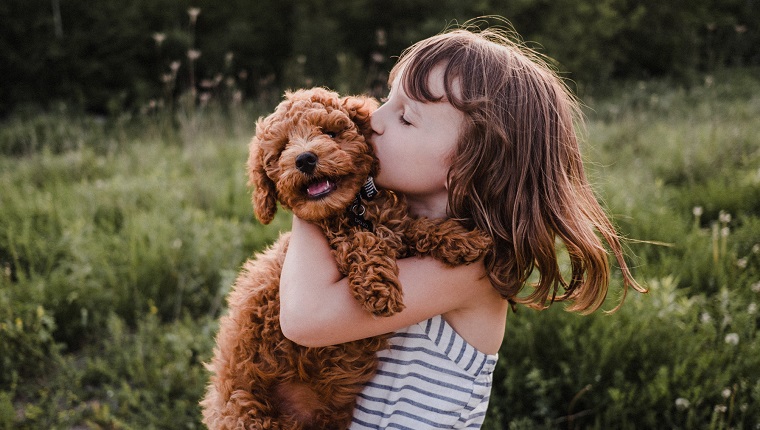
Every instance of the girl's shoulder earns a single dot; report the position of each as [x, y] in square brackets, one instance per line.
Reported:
[481, 319]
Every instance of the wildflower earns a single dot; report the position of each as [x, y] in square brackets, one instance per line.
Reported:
[724, 217]
[732, 339]
[741, 29]
[193, 54]
[705, 318]
[721, 409]
[193, 13]
[682, 404]
[381, 37]
[755, 287]
[756, 248]
[741, 263]
[159, 38]
[167, 78]
[725, 231]
[726, 393]
[377, 57]
[752, 308]
[228, 57]
[697, 211]
[174, 66]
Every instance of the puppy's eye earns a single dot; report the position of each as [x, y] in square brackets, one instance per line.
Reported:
[331, 134]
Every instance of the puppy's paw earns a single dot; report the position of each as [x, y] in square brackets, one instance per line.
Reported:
[379, 295]
[449, 242]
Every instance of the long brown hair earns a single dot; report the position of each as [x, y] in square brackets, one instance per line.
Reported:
[517, 171]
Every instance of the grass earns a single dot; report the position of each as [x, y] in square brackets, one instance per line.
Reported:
[120, 238]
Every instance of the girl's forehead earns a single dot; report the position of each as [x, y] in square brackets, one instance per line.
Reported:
[431, 81]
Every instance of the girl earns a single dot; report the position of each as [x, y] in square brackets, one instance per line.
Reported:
[476, 128]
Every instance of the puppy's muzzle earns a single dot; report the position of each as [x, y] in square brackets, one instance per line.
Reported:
[306, 162]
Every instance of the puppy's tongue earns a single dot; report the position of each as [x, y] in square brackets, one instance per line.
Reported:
[319, 188]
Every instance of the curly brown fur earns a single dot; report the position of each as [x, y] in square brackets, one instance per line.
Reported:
[260, 379]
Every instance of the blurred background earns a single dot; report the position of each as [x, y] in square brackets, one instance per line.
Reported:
[109, 56]
[125, 213]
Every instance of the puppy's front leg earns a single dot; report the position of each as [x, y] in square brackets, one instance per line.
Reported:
[373, 274]
[447, 241]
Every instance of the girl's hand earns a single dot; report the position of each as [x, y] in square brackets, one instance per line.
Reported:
[317, 308]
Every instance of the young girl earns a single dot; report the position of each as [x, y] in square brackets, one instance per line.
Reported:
[476, 128]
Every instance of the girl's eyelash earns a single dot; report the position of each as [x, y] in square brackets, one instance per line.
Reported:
[403, 121]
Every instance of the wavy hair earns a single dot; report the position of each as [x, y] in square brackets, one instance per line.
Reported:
[517, 171]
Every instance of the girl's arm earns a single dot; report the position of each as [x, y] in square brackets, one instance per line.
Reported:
[317, 308]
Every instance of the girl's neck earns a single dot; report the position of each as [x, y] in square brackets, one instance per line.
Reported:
[430, 207]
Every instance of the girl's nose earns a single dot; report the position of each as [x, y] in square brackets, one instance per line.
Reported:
[375, 121]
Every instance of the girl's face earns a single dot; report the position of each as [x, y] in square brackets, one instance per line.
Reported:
[414, 141]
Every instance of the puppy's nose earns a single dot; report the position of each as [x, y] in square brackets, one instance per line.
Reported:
[306, 162]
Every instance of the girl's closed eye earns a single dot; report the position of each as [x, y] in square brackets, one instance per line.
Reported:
[403, 120]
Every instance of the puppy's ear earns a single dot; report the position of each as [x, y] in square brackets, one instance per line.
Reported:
[359, 109]
[264, 196]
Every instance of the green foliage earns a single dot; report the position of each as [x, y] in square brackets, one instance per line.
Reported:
[120, 238]
[678, 170]
[107, 59]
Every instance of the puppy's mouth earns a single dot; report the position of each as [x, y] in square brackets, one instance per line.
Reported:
[320, 188]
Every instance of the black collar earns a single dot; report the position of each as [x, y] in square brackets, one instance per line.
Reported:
[357, 210]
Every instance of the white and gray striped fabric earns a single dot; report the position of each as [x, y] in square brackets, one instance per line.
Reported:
[430, 378]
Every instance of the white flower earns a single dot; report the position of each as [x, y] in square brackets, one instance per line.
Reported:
[752, 308]
[705, 318]
[721, 409]
[724, 217]
[755, 287]
[741, 263]
[682, 404]
[193, 13]
[732, 339]
[159, 38]
[756, 248]
[193, 54]
[726, 393]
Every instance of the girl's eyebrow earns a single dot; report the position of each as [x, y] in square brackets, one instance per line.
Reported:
[411, 105]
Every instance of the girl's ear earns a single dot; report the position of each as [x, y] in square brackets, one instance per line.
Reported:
[359, 109]
[264, 197]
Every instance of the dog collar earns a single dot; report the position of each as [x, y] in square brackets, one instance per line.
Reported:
[369, 190]
[357, 210]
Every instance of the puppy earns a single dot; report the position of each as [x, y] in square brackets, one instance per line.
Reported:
[312, 156]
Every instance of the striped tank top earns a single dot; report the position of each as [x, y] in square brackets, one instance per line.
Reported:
[429, 378]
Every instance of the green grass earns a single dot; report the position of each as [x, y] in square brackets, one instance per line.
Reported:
[119, 240]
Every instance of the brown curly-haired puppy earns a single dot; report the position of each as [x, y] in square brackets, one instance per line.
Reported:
[312, 156]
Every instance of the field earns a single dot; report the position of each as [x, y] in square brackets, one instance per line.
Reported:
[120, 237]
